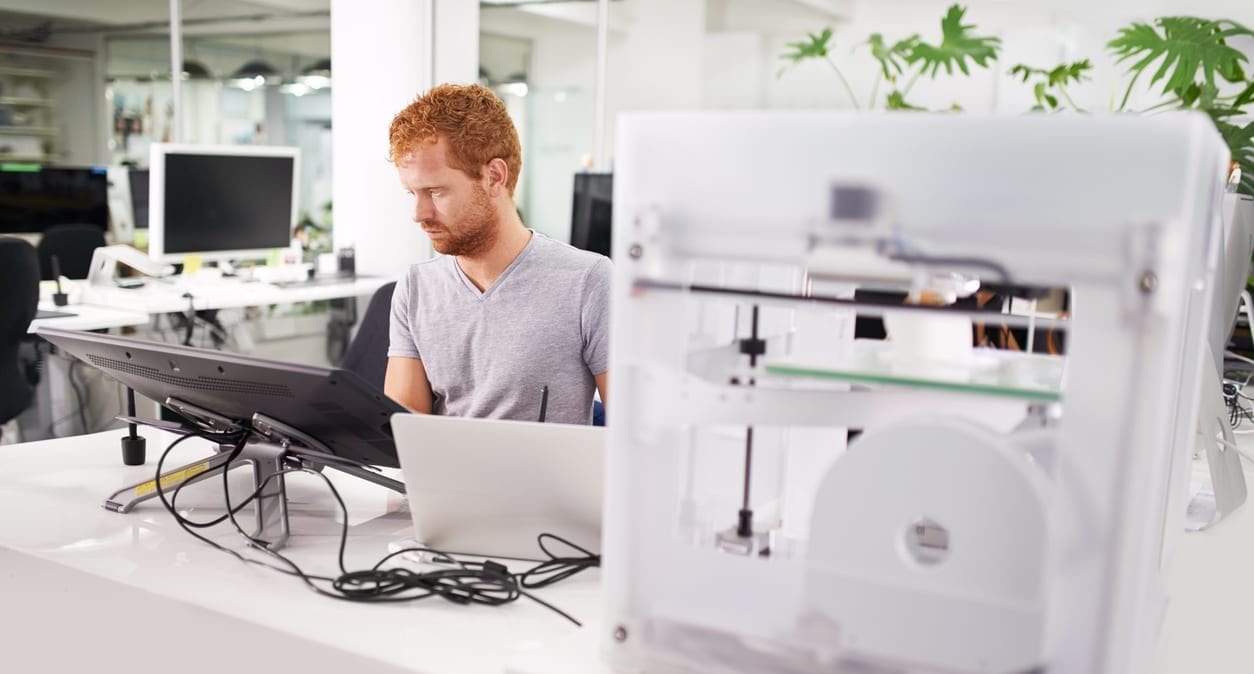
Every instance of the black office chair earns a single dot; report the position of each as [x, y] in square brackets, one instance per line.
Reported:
[19, 300]
[73, 245]
[367, 356]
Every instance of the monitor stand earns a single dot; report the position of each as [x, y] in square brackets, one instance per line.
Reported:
[271, 449]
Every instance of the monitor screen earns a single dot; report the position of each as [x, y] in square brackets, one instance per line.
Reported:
[220, 201]
[591, 212]
[139, 197]
[33, 198]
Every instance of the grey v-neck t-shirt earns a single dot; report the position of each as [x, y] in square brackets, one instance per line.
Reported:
[544, 322]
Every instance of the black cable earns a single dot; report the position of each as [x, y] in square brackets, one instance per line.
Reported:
[987, 264]
[557, 568]
[487, 582]
[188, 525]
[78, 395]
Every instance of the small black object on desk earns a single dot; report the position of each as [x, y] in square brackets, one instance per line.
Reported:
[59, 298]
[134, 447]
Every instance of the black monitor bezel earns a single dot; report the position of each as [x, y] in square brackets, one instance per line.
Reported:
[335, 407]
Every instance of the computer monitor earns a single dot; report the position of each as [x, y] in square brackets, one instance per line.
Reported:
[335, 408]
[590, 215]
[34, 197]
[220, 201]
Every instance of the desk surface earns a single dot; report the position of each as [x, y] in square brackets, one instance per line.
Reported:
[54, 531]
[51, 493]
[164, 296]
[88, 317]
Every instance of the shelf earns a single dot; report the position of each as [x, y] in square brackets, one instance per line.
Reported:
[39, 73]
[1004, 374]
[26, 102]
[27, 131]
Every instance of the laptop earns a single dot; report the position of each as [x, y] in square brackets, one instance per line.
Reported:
[489, 487]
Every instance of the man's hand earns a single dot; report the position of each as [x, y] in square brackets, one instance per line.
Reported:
[602, 386]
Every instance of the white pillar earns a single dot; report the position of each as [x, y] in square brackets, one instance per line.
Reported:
[382, 55]
[176, 69]
[456, 41]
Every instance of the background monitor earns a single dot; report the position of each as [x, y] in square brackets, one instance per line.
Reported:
[33, 197]
[220, 201]
[590, 216]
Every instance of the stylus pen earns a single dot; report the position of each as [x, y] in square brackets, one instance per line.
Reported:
[544, 401]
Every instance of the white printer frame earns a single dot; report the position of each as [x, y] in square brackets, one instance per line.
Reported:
[1056, 526]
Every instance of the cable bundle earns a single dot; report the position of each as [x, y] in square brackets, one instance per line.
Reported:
[485, 582]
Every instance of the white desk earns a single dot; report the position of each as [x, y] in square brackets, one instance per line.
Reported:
[1210, 612]
[86, 588]
[88, 317]
[90, 590]
[167, 296]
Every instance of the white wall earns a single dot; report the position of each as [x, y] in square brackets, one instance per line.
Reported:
[1040, 34]
[656, 63]
[725, 53]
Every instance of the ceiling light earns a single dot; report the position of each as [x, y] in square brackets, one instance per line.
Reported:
[195, 70]
[255, 73]
[316, 76]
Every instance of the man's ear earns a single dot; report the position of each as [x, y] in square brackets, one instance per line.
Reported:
[496, 173]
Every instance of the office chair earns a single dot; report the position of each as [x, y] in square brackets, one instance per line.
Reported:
[19, 300]
[367, 356]
[73, 245]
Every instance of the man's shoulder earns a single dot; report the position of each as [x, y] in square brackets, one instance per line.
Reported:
[558, 255]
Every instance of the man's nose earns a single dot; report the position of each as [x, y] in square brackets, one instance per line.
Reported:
[423, 209]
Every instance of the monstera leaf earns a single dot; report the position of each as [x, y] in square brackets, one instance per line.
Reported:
[897, 101]
[957, 46]
[1056, 79]
[891, 57]
[1071, 72]
[1240, 140]
[1185, 45]
[1245, 97]
[816, 46]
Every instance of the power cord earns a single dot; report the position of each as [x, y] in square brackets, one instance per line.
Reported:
[469, 582]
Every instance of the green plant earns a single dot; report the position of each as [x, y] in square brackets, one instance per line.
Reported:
[911, 57]
[1054, 80]
[1192, 55]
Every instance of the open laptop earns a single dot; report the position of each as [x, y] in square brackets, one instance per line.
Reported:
[489, 487]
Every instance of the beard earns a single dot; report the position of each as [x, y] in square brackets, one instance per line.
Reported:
[474, 231]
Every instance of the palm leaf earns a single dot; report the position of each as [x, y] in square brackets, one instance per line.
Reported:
[1185, 46]
[958, 45]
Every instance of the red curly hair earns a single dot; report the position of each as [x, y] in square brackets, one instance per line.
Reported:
[473, 120]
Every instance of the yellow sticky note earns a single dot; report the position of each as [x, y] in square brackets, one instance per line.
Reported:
[191, 264]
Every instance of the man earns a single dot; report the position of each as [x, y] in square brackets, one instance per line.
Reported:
[506, 322]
